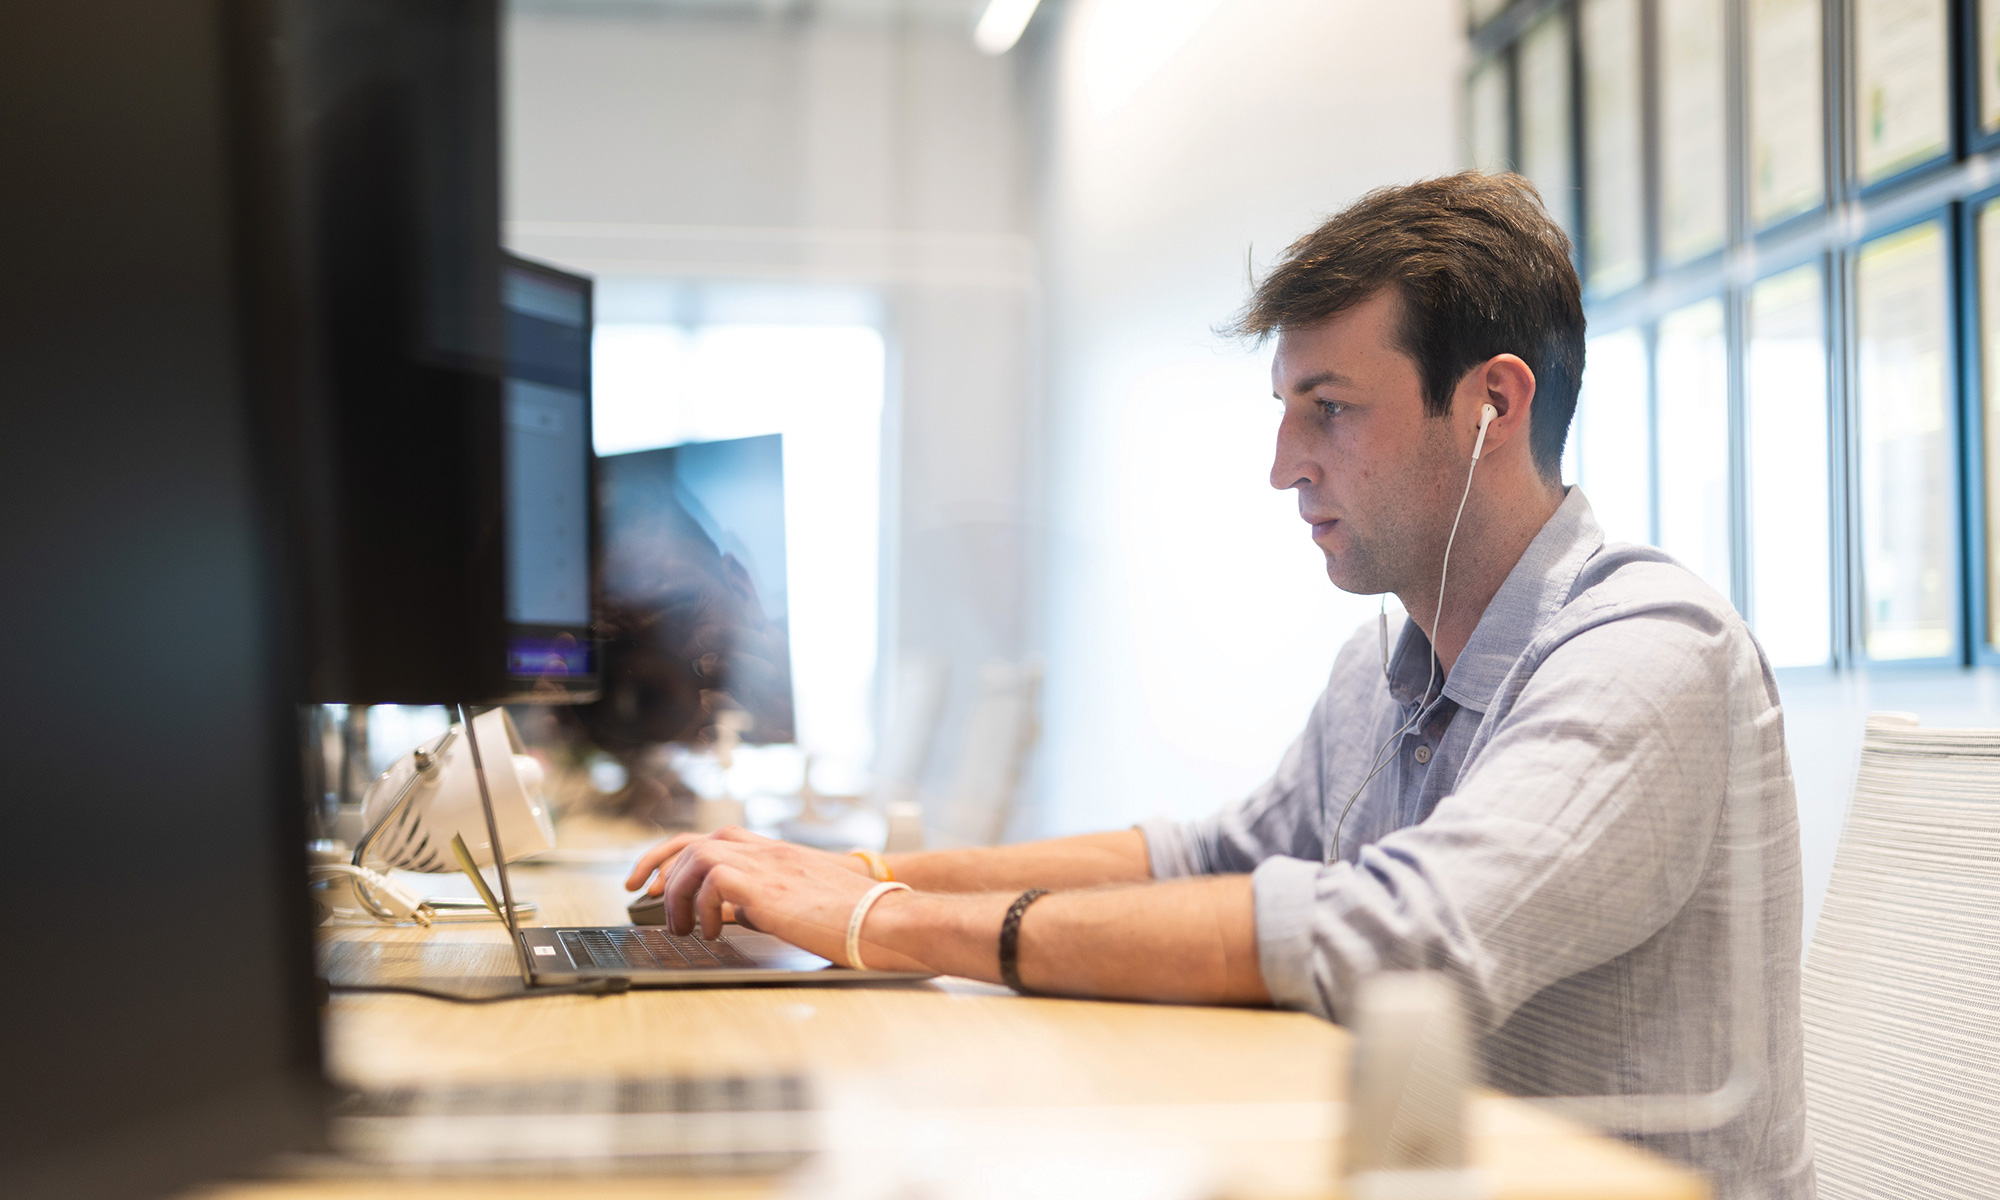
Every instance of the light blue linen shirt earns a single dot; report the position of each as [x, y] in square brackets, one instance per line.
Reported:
[1553, 834]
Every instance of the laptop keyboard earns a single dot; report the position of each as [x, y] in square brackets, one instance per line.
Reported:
[649, 948]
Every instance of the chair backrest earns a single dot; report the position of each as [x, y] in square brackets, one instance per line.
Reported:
[916, 704]
[1901, 993]
[1000, 734]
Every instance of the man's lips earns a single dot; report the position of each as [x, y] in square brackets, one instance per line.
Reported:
[1322, 528]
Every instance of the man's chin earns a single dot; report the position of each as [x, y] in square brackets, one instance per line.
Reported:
[1351, 576]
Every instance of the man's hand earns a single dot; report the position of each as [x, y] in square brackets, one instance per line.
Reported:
[802, 895]
[650, 872]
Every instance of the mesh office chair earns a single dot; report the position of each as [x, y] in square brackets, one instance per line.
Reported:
[1901, 994]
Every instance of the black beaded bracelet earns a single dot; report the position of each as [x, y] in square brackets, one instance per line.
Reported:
[1010, 939]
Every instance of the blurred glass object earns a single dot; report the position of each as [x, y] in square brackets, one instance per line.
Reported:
[1002, 24]
[821, 387]
[1693, 136]
[1902, 80]
[1787, 109]
[1486, 116]
[1615, 226]
[1694, 441]
[1791, 535]
[1902, 339]
[1478, 12]
[1612, 432]
[1543, 59]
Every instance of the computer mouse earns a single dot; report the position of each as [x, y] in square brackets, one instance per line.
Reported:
[648, 909]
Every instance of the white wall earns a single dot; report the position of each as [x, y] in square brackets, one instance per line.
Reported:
[1188, 619]
[878, 157]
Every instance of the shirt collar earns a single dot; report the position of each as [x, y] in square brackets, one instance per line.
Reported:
[1534, 591]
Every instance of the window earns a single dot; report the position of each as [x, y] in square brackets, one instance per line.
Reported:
[1791, 536]
[1611, 433]
[1787, 117]
[1903, 407]
[1486, 118]
[1545, 116]
[821, 387]
[1694, 441]
[1616, 186]
[1694, 138]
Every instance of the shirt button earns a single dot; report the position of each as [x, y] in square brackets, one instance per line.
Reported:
[1423, 755]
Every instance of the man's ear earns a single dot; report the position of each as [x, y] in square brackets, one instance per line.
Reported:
[1505, 382]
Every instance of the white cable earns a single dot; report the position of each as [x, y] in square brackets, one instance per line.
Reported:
[384, 898]
[860, 914]
[1427, 703]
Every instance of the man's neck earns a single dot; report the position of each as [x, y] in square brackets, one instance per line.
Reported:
[1492, 536]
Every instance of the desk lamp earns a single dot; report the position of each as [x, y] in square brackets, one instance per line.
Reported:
[414, 809]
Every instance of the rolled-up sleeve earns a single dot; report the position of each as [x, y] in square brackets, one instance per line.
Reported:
[1581, 826]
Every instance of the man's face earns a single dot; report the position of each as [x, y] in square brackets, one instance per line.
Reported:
[1377, 478]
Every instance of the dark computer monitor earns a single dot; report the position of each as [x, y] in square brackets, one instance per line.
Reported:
[546, 434]
[691, 569]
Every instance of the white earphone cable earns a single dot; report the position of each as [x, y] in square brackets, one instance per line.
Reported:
[1425, 705]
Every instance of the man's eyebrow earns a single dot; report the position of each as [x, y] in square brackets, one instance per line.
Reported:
[1315, 380]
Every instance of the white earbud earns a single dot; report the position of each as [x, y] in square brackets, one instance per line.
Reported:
[1486, 414]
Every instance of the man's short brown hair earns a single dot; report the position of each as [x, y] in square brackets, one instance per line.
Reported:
[1482, 270]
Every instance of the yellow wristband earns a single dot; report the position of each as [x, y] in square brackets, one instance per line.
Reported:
[878, 868]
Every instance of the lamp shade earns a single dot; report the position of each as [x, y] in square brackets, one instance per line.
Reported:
[431, 793]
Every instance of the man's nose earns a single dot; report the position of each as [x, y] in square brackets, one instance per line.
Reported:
[1290, 468]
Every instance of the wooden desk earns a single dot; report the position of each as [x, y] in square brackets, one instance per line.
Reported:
[1254, 1093]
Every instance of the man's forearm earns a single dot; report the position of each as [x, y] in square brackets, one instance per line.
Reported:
[1190, 940]
[1088, 860]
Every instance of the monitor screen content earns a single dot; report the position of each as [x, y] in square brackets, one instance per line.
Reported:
[694, 614]
[548, 461]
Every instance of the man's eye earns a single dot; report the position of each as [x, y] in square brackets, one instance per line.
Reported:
[1331, 408]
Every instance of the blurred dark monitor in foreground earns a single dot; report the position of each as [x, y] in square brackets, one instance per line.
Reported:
[439, 419]
[694, 608]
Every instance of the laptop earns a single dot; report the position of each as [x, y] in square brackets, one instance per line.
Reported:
[645, 956]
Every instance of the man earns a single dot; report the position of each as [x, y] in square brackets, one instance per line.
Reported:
[1532, 792]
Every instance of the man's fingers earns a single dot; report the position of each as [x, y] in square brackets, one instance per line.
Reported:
[708, 901]
[651, 860]
[679, 881]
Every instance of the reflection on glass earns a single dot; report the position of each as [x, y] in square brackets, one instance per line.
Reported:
[1486, 115]
[1989, 342]
[1611, 433]
[1901, 76]
[1616, 222]
[1787, 150]
[1791, 580]
[1988, 63]
[1693, 139]
[1543, 69]
[1906, 527]
[1694, 441]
